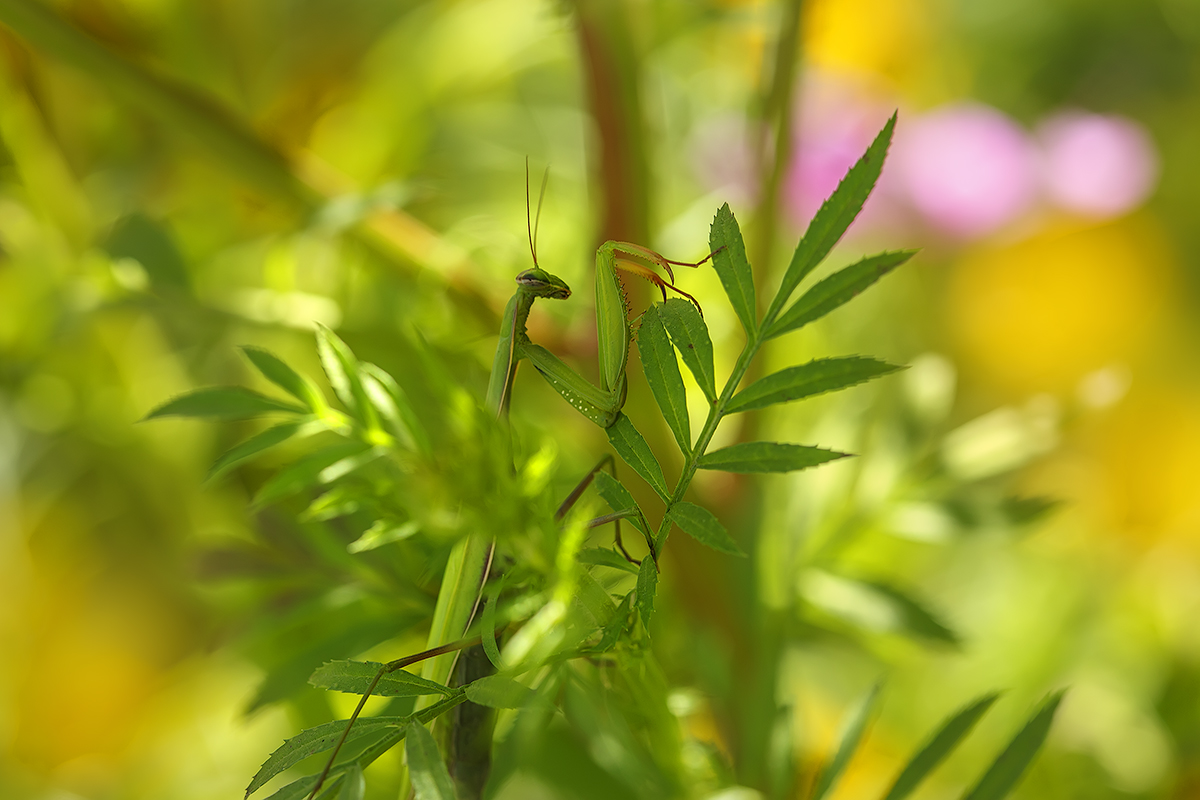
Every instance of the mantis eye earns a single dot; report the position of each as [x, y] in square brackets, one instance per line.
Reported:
[543, 284]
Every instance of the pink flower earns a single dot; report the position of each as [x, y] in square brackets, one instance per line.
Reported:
[967, 168]
[1097, 165]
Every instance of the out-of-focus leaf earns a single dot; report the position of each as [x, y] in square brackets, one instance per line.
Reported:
[815, 377]
[353, 784]
[498, 691]
[875, 606]
[429, 776]
[279, 373]
[732, 266]
[298, 789]
[488, 630]
[255, 445]
[342, 368]
[381, 533]
[835, 215]
[616, 626]
[914, 617]
[836, 290]
[1028, 510]
[1008, 768]
[305, 473]
[925, 760]
[632, 448]
[603, 557]
[223, 403]
[700, 523]
[316, 740]
[662, 374]
[852, 734]
[147, 242]
[392, 402]
[617, 496]
[354, 677]
[647, 585]
[766, 457]
[690, 336]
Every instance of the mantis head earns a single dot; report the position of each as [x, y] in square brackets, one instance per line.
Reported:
[540, 283]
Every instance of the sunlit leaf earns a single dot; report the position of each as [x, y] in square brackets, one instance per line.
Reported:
[632, 448]
[381, 533]
[279, 373]
[852, 734]
[647, 585]
[836, 214]
[700, 523]
[223, 403]
[316, 740]
[662, 374]
[617, 496]
[498, 691]
[354, 677]
[1007, 769]
[430, 779]
[255, 445]
[766, 457]
[953, 731]
[836, 290]
[815, 377]
[690, 336]
[732, 266]
[304, 473]
[342, 368]
[392, 402]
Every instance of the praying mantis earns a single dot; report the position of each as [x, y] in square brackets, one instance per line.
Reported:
[470, 561]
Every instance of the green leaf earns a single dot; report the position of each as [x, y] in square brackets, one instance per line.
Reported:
[304, 473]
[353, 784]
[662, 373]
[392, 402]
[381, 533]
[1027, 510]
[223, 403]
[618, 497]
[953, 731]
[835, 215]
[499, 691]
[647, 585]
[342, 369]
[354, 677]
[487, 626]
[317, 740]
[690, 336]
[631, 447]
[1008, 768]
[279, 373]
[603, 557]
[766, 457]
[701, 525]
[806, 380]
[616, 626]
[836, 290]
[912, 615]
[255, 445]
[852, 734]
[429, 776]
[732, 266]
[296, 790]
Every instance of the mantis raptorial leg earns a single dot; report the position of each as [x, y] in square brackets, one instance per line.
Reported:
[470, 560]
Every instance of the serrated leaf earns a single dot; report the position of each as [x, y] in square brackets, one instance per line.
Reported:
[392, 402]
[342, 368]
[690, 336]
[836, 290]
[255, 445]
[354, 677]
[353, 785]
[732, 266]
[925, 760]
[618, 497]
[277, 371]
[836, 214]
[1009, 766]
[223, 403]
[647, 585]
[428, 772]
[662, 374]
[603, 557]
[766, 457]
[304, 473]
[700, 523]
[852, 734]
[806, 380]
[296, 790]
[632, 448]
[317, 740]
[499, 691]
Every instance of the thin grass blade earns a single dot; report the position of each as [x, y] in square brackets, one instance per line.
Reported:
[948, 737]
[853, 730]
[1010, 765]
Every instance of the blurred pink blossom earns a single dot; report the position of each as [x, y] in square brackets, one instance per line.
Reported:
[1095, 164]
[967, 168]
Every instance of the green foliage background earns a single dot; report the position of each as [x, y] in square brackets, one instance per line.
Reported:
[180, 178]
